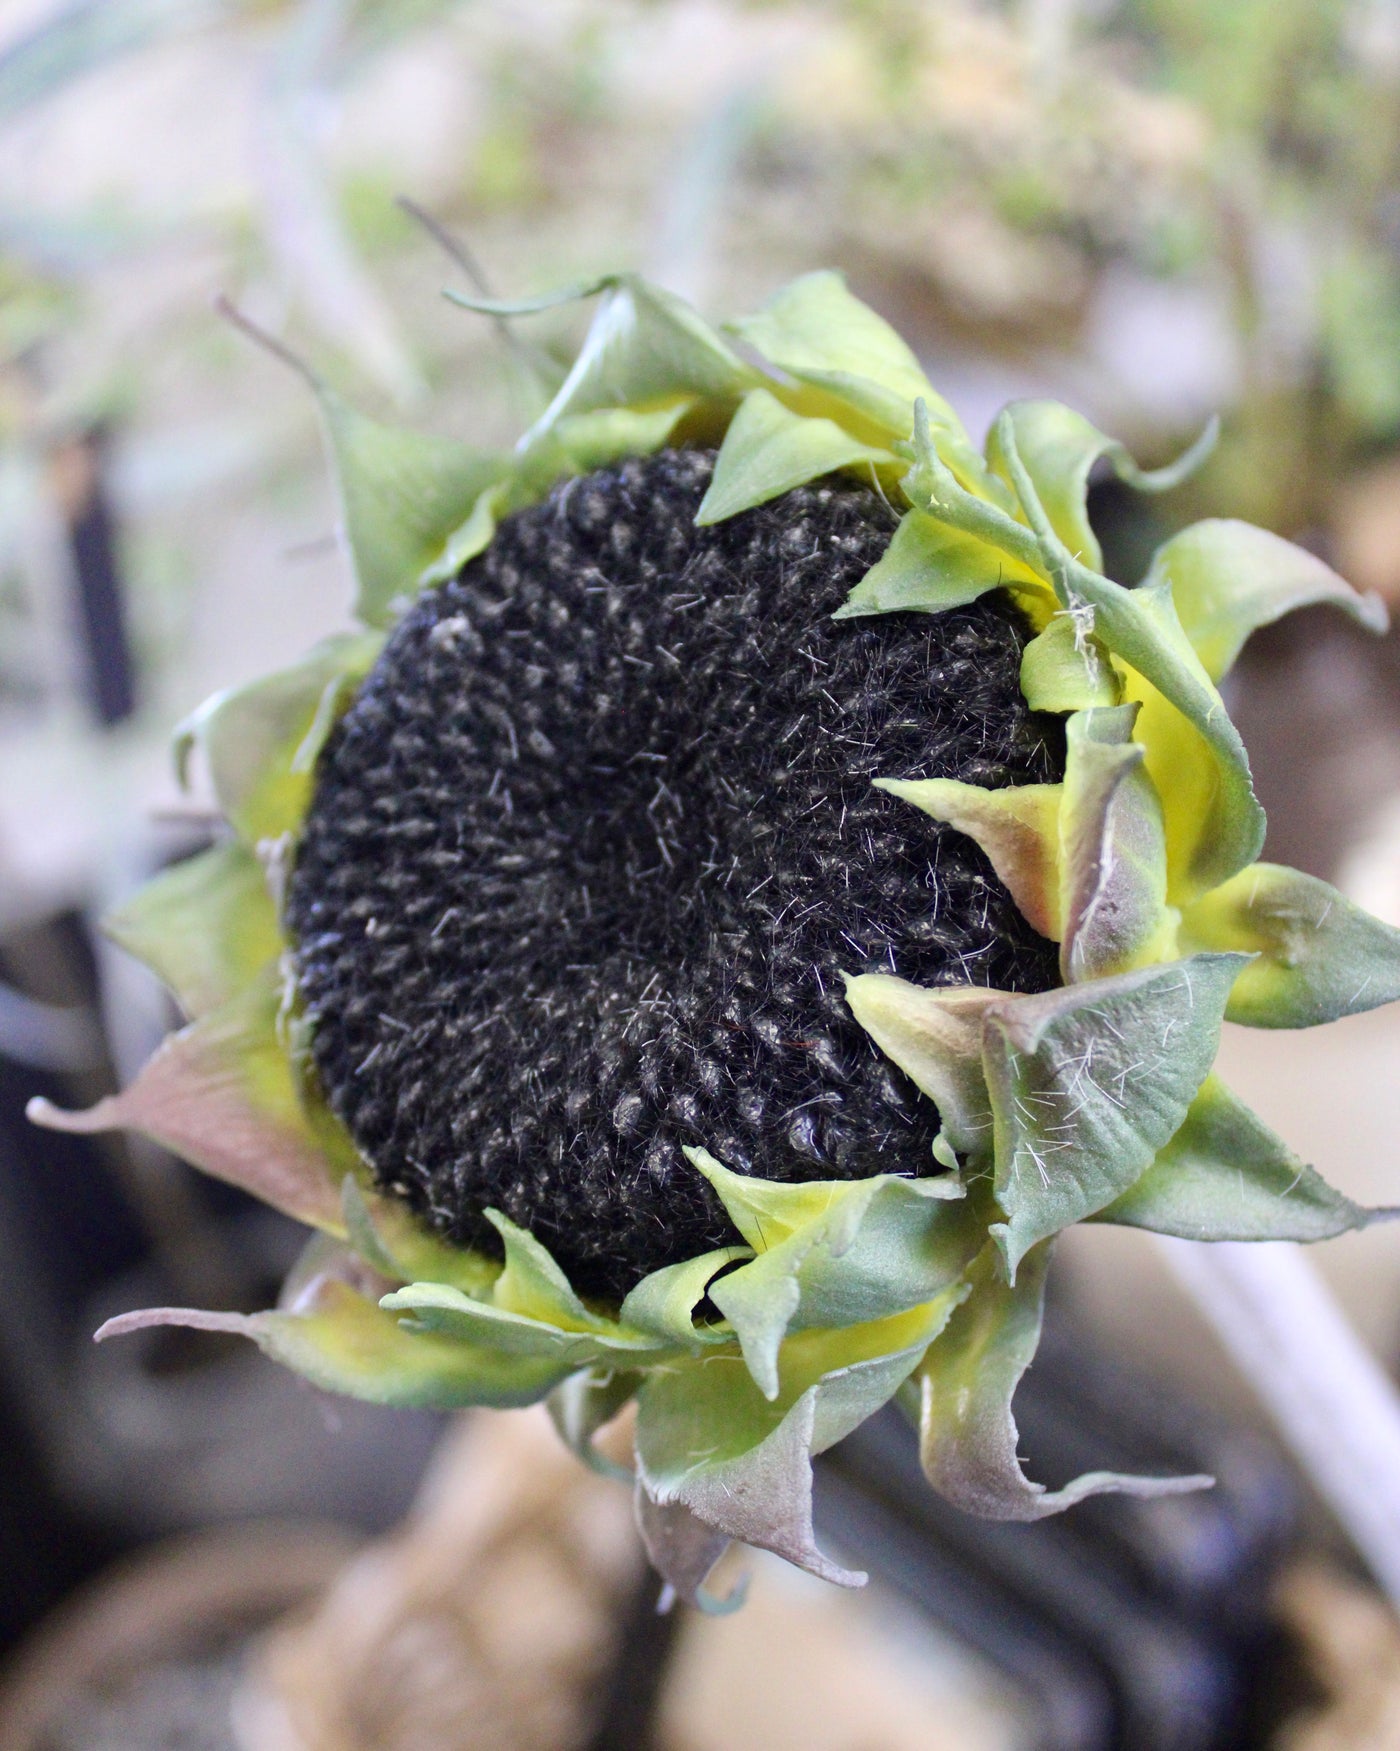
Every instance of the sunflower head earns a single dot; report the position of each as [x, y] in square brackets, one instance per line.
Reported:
[750, 884]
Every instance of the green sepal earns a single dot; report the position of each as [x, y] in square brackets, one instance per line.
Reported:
[1017, 826]
[708, 1440]
[391, 1239]
[885, 1245]
[260, 741]
[1113, 872]
[436, 1307]
[967, 1433]
[1194, 753]
[931, 566]
[934, 1035]
[1318, 955]
[401, 495]
[222, 1094]
[533, 1285]
[1228, 578]
[1214, 824]
[608, 434]
[1058, 449]
[765, 1211]
[815, 332]
[1065, 668]
[646, 349]
[768, 451]
[341, 1341]
[663, 1304]
[471, 537]
[206, 927]
[587, 1402]
[1087, 1083]
[1226, 1176]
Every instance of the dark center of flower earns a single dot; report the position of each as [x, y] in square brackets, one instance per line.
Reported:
[596, 840]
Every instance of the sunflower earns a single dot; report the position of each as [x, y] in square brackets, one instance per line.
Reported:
[751, 883]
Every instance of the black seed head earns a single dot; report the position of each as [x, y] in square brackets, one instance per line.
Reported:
[592, 847]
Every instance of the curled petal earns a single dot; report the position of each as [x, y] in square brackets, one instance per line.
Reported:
[683, 1550]
[533, 1284]
[762, 1497]
[586, 1403]
[473, 535]
[708, 1440]
[935, 1037]
[664, 1303]
[967, 1433]
[221, 1093]
[1065, 668]
[260, 742]
[1113, 872]
[1228, 578]
[890, 1246]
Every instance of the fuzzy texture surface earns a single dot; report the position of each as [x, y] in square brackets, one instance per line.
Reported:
[594, 843]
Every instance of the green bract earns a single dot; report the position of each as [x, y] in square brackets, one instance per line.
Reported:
[1095, 1100]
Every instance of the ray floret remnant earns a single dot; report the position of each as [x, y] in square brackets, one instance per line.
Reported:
[1095, 1100]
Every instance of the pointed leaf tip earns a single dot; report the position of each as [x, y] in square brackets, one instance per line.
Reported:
[684, 1551]
[402, 494]
[193, 1318]
[1226, 1176]
[1017, 827]
[967, 1432]
[221, 1093]
[769, 450]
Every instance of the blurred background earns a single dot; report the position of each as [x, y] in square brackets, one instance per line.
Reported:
[1152, 209]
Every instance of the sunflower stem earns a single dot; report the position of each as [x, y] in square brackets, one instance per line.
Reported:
[1334, 1405]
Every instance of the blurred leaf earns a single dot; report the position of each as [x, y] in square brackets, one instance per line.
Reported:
[84, 35]
[206, 926]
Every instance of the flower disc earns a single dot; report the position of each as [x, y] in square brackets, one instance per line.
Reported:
[595, 842]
